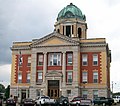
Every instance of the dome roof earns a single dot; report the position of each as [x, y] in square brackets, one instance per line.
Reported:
[71, 11]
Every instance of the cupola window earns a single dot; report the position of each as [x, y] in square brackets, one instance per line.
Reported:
[68, 31]
[79, 32]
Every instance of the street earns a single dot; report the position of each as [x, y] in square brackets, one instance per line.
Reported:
[92, 105]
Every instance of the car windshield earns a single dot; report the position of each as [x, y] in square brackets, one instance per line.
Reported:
[77, 98]
[44, 97]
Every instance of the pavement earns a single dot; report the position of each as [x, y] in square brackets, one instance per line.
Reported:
[118, 104]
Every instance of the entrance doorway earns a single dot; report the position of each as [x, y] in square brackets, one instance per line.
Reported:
[53, 88]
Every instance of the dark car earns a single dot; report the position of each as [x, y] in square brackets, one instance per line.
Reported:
[62, 101]
[0, 102]
[103, 101]
[28, 102]
[10, 102]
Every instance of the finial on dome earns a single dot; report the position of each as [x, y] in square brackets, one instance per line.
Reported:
[71, 3]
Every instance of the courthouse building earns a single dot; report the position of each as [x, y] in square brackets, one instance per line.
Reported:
[65, 62]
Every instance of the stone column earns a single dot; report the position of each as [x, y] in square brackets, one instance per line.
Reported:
[44, 66]
[64, 68]
[33, 75]
[26, 93]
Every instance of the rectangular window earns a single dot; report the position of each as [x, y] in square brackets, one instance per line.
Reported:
[84, 77]
[84, 59]
[95, 77]
[68, 93]
[95, 93]
[69, 58]
[28, 77]
[69, 77]
[84, 93]
[95, 59]
[40, 59]
[20, 60]
[29, 60]
[55, 59]
[19, 77]
[39, 77]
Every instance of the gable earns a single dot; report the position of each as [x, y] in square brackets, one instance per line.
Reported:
[54, 39]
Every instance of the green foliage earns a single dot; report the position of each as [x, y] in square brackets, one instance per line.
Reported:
[7, 92]
[2, 88]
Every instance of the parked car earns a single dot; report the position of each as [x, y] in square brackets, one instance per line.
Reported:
[10, 101]
[77, 101]
[43, 100]
[0, 102]
[103, 101]
[28, 102]
[117, 98]
[62, 101]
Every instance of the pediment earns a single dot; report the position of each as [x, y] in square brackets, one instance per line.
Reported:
[53, 74]
[54, 39]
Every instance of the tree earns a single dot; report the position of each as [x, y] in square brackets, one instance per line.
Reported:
[7, 92]
[2, 90]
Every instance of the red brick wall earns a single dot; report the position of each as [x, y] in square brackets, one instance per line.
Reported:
[90, 66]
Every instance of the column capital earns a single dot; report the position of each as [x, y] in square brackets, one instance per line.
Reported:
[44, 52]
[64, 52]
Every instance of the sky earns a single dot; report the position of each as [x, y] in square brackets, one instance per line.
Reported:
[24, 20]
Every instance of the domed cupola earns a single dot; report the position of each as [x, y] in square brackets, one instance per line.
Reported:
[71, 22]
[71, 11]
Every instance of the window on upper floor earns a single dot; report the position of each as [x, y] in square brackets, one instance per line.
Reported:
[20, 60]
[84, 59]
[95, 59]
[19, 77]
[79, 32]
[54, 59]
[69, 77]
[28, 77]
[69, 58]
[29, 60]
[39, 77]
[84, 77]
[95, 77]
[40, 60]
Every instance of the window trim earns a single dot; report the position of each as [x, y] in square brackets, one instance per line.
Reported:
[29, 61]
[69, 82]
[28, 80]
[86, 58]
[83, 80]
[69, 63]
[42, 59]
[94, 58]
[39, 81]
[96, 72]
[52, 58]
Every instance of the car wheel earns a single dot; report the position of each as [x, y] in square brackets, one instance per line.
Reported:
[103, 104]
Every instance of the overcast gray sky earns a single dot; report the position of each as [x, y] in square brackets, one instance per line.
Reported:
[24, 20]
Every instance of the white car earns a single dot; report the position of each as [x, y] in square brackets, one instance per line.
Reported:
[41, 100]
[117, 99]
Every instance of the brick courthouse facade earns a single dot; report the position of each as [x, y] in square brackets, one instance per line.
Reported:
[64, 62]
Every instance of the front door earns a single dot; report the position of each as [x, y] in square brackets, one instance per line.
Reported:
[53, 89]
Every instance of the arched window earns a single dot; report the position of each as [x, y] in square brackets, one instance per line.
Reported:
[58, 30]
[79, 32]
